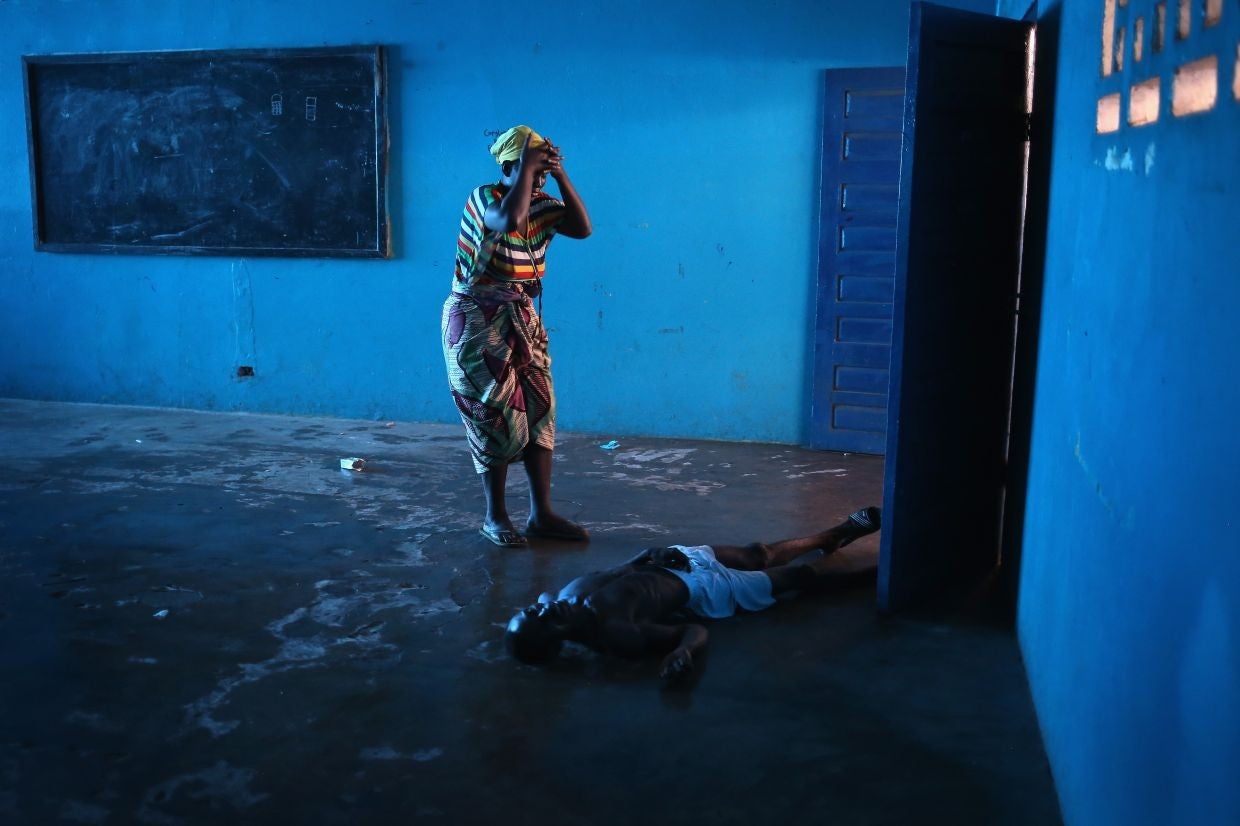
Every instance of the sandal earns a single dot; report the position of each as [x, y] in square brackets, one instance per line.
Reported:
[870, 518]
[504, 537]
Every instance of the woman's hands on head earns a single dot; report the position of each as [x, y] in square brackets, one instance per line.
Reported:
[542, 158]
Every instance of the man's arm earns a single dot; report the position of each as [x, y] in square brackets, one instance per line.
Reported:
[678, 642]
[679, 661]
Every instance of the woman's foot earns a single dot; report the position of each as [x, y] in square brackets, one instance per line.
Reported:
[551, 526]
[503, 533]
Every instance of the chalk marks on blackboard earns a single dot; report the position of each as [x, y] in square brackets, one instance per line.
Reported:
[173, 236]
[312, 108]
[277, 105]
[274, 168]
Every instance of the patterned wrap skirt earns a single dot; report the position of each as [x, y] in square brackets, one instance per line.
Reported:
[499, 369]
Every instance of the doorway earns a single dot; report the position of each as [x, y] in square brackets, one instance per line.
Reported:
[955, 279]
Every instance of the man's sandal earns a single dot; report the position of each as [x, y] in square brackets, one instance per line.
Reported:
[868, 520]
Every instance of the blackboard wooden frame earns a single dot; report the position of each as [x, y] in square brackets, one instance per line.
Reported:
[372, 150]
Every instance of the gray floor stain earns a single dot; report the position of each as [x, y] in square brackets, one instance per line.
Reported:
[77, 812]
[660, 483]
[389, 753]
[488, 651]
[221, 786]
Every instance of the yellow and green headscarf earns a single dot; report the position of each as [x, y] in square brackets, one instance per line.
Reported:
[507, 147]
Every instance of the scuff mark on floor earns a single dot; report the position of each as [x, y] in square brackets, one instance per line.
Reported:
[815, 472]
[487, 651]
[701, 488]
[79, 812]
[93, 721]
[220, 784]
[641, 527]
[666, 456]
[389, 753]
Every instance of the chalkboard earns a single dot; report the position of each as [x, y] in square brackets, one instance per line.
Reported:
[272, 152]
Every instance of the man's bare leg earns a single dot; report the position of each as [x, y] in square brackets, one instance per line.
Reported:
[799, 576]
[759, 557]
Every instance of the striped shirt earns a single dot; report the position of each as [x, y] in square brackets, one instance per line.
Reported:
[485, 256]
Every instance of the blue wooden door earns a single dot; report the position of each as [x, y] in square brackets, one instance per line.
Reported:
[856, 258]
[957, 277]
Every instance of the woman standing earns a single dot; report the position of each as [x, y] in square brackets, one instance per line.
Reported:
[494, 342]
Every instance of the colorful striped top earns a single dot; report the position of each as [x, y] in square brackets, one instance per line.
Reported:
[484, 256]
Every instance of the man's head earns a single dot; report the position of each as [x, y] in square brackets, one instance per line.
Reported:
[534, 635]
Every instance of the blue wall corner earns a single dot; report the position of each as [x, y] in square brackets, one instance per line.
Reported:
[1129, 612]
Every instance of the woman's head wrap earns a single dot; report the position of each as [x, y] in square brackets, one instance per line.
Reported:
[507, 147]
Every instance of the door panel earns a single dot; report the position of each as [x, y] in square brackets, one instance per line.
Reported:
[856, 258]
[956, 279]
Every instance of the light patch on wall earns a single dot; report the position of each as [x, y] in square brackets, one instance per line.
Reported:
[1184, 26]
[1143, 102]
[1119, 48]
[1149, 159]
[1195, 88]
[1116, 162]
[1031, 51]
[1108, 36]
[1235, 77]
[1214, 12]
[1160, 26]
[1108, 114]
[1138, 39]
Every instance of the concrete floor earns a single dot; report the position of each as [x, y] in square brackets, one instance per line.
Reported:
[330, 651]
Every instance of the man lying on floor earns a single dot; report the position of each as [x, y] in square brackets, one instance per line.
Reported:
[638, 608]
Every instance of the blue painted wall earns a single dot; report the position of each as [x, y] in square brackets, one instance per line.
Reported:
[690, 128]
[1129, 613]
